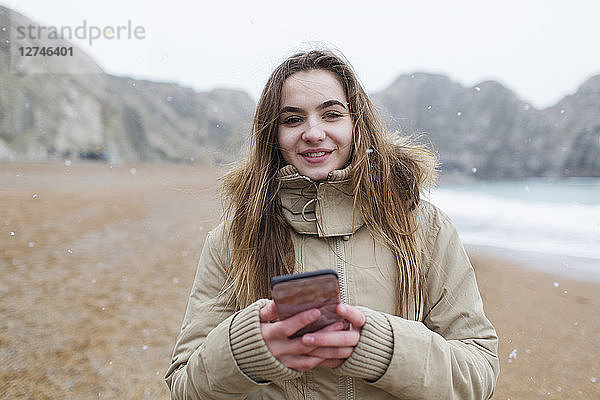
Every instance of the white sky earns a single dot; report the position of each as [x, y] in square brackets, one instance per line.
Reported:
[542, 50]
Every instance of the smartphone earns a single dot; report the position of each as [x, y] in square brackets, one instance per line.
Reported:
[295, 293]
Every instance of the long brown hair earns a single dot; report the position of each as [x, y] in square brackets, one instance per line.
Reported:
[387, 171]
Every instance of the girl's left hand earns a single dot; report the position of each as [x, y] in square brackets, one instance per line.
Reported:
[335, 345]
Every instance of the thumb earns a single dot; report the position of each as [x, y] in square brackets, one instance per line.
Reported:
[268, 312]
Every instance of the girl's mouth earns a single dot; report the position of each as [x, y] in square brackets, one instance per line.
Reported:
[316, 156]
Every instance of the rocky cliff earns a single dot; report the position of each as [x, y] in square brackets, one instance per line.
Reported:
[69, 107]
[488, 132]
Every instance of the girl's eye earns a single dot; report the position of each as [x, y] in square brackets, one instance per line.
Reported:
[292, 120]
[332, 115]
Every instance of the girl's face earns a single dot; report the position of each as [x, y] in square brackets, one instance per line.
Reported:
[315, 127]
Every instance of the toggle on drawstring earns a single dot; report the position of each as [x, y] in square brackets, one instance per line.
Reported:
[310, 201]
[304, 210]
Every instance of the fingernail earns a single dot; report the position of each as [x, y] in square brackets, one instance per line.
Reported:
[342, 308]
[309, 339]
[315, 313]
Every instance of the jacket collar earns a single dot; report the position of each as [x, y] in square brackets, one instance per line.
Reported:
[319, 208]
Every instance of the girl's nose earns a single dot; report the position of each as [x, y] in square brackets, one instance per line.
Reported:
[314, 132]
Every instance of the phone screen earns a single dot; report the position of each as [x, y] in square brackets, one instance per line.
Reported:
[295, 293]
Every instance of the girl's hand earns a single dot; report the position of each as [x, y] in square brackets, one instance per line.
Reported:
[335, 345]
[292, 353]
[329, 347]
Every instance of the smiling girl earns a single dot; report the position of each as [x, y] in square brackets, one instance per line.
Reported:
[325, 186]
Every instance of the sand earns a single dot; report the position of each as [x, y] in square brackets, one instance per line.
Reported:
[96, 264]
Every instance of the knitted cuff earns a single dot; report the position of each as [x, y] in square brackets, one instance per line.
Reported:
[373, 353]
[250, 350]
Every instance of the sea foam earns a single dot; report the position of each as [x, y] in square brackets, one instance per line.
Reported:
[567, 228]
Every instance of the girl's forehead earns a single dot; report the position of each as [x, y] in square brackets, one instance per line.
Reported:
[313, 86]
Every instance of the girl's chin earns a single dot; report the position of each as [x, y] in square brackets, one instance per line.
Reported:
[316, 174]
[317, 171]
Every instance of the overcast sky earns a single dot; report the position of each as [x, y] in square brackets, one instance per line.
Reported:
[542, 50]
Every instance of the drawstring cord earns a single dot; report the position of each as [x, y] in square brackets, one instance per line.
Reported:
[311, 201]
[304, 210]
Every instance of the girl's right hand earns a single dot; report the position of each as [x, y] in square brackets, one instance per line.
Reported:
[290, 352]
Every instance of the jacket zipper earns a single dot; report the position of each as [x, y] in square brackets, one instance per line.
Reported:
[344, 297]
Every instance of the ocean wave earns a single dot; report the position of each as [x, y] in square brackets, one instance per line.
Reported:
[562, 228]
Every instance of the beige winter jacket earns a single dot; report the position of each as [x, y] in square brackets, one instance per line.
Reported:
[450, 353]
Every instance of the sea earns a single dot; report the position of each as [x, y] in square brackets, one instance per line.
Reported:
[548, 224]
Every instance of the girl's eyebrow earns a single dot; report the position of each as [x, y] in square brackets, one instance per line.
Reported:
[321, 106]
[330, 103]
[290, 109]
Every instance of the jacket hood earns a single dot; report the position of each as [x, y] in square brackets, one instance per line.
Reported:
[323, 208]
[326, 208]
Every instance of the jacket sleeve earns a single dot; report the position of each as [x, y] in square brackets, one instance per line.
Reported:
[452, 354]
[213, 339]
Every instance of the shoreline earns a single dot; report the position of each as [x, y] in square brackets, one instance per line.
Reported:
[565, 266]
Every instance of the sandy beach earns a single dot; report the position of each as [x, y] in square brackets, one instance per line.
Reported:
[96, 264]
